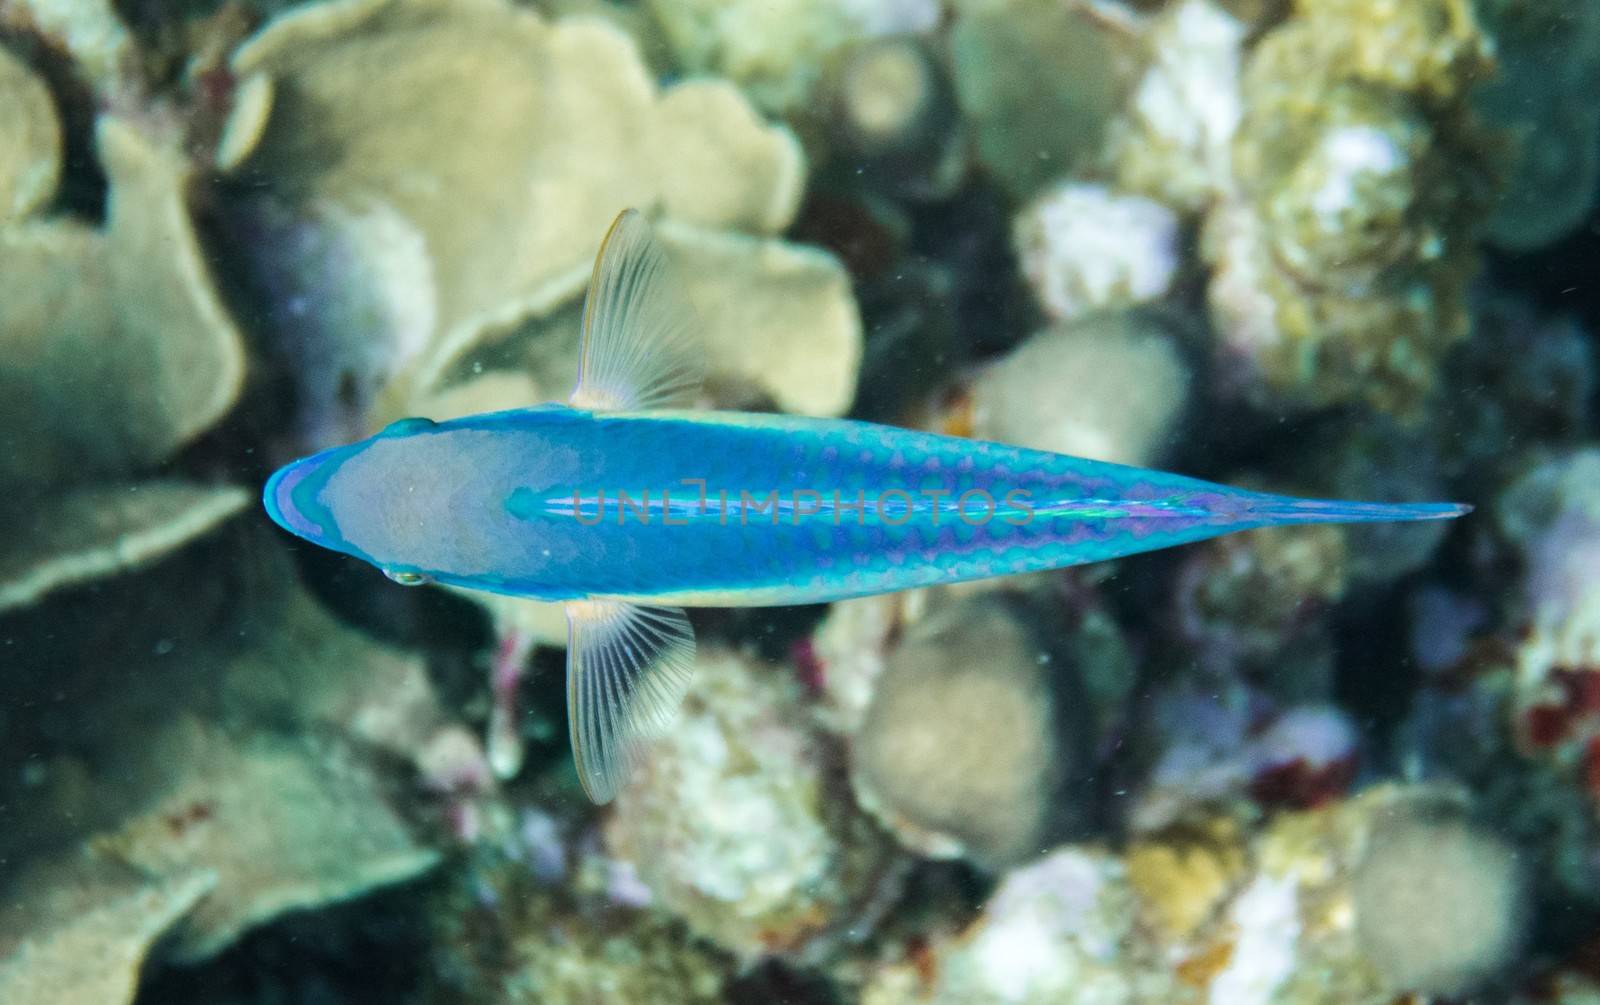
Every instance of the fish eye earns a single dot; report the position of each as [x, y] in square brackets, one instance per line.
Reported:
[407, 578]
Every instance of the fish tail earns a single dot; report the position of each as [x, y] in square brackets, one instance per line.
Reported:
[1288, 510]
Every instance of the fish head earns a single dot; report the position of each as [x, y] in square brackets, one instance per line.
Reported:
[422, 501]
[294, 498]
[334, 499]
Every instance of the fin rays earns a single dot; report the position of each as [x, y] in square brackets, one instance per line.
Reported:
[627, 670]
[637, 348]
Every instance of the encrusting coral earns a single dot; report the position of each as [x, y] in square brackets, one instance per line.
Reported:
[1341, 264]
[740, 821]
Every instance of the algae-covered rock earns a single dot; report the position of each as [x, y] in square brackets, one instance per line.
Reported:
[83, 534]
[384, 254]
[740, 822]
[30, 141]
[1553, 514]
[78, 929]
[1247, 596]
[1039, 81]
[1341, 267]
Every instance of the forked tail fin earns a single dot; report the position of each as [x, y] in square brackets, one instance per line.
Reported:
[1286, 509]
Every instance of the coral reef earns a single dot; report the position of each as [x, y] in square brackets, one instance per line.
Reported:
[776, 51]
[506, 929]
[78, 932]
[117, 352]
[1236, 239]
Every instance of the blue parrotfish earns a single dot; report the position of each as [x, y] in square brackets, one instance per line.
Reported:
[627, 506]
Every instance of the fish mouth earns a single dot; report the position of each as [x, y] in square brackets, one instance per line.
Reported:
[278, 497]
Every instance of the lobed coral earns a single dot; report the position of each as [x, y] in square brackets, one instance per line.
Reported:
[117, 352]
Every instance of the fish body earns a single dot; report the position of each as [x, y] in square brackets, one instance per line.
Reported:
[625, 508]
[708, 509]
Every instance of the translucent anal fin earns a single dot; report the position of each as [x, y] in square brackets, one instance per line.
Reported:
[638, 348]
[627, 670]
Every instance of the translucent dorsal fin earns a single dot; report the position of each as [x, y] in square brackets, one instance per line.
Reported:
[638, 347]
[627, 670]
